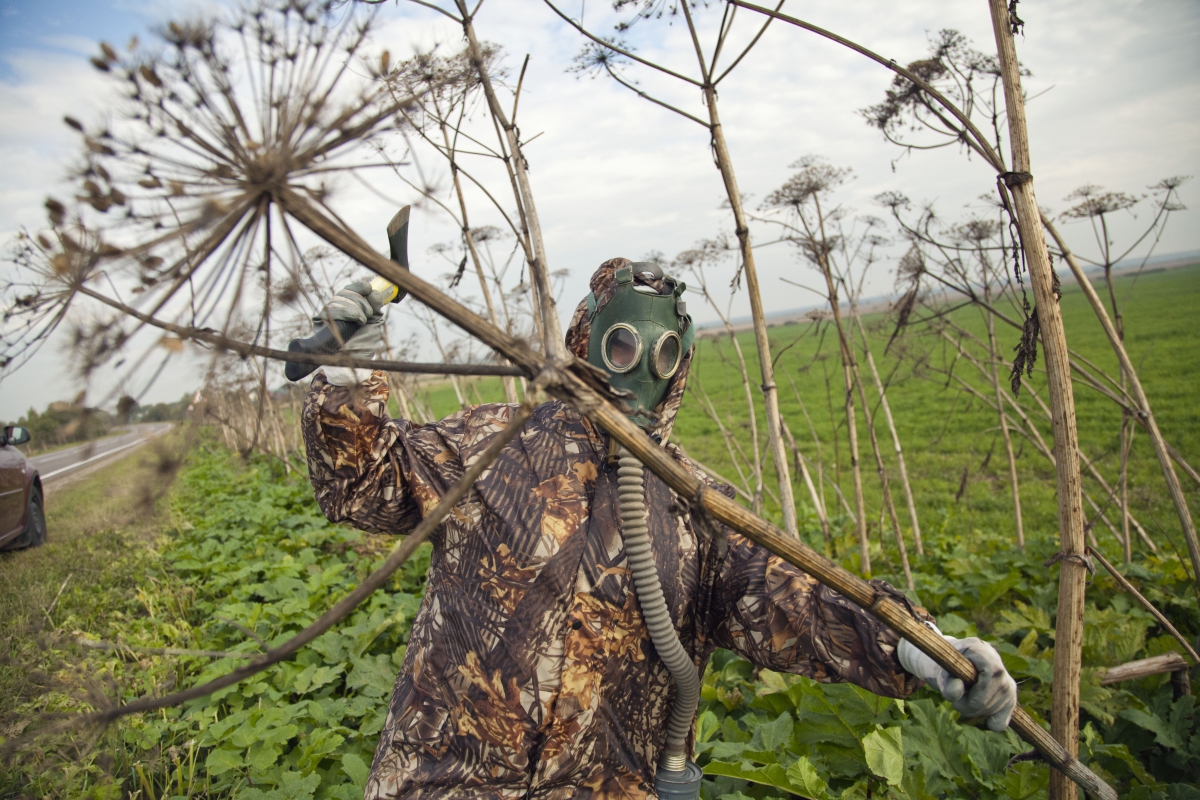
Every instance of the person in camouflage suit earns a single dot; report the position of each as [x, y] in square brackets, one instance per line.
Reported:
[529, 671]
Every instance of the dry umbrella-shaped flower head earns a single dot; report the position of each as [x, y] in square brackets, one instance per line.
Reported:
[180, 187]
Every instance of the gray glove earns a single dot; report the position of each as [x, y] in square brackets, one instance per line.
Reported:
[355, 303]
[994, 694]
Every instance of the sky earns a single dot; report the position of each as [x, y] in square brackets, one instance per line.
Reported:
[1116, 102]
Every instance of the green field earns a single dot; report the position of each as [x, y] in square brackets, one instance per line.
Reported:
[944, 431]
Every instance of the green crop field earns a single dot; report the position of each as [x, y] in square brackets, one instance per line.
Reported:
[238, 557]
[943, 430]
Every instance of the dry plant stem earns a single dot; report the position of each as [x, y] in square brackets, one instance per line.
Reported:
[564, 381]
[1008, 448]
[551, 330]
[891, 423]
[510, 388]
[1185, 466]
[1030, 432]
[848, 382]
[817, 443]
[351, 601]
[769, 388]
[1068, 649]
[978, 142]
[1144, 668]
[161, 651]
[884, 483]
[1109, 491]
[243, 349]
[737, 349]
[706, 405]
[1034, 435]
[1124, 583]
[1144, 413]
[808, 482]
[712, 473]
[1126, 444]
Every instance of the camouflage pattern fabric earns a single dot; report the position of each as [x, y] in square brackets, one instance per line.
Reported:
[529, 671]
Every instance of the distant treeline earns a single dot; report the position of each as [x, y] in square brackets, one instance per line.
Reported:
[66, 422]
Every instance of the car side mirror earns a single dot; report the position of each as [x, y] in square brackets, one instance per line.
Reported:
[15, 434]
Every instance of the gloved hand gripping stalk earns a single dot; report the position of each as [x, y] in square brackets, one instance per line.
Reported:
[336, 332]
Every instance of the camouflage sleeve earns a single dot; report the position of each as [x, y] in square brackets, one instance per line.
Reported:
[780, 618]
[364, 466]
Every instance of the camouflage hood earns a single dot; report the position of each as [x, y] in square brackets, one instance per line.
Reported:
[604, 285]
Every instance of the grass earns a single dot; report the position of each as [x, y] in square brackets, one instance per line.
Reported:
[101, 552]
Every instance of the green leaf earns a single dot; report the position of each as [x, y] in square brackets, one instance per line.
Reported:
[805, 780]
[885, 753]
[1163, 733]
[706, 725]
[356, 768]
[372, 675]
[263, 756]
[298, 786]
[770, 775]
[996, 590]
[220, 761]
[1025, 780]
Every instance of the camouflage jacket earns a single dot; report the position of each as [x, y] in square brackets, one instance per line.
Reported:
[529, 671]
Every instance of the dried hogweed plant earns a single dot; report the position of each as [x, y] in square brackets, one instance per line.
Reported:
[177, 215]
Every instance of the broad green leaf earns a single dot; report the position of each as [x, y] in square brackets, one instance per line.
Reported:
[706, 725]
[220, 761]
[770, 775]
[771, 682]
[262, 756]
[298, 786]
[372, 675]
[1024, 780]
[356, 768]
[1164, 734]
[805, 780]
[885, 753]
[772, 734]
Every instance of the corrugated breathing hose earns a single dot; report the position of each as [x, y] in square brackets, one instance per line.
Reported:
[685, 782]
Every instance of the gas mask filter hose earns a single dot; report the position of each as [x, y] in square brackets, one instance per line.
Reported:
[636, 536]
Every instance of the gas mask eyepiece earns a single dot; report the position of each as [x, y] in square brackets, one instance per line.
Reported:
[641, 336]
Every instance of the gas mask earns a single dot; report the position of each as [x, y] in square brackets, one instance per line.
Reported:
[640, 338]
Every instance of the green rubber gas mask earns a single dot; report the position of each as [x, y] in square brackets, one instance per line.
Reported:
[640, 338]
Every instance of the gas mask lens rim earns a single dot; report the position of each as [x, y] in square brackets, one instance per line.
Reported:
[658, 346]
[637, 352]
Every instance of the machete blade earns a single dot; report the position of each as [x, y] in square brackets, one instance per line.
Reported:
[397, 232]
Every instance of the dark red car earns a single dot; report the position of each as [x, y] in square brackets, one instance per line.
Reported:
[22, 512]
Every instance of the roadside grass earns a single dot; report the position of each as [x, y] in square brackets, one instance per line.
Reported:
[237, 558]
[100, 551]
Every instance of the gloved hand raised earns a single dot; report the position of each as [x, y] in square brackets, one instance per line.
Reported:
[357, 303]
[994, 693]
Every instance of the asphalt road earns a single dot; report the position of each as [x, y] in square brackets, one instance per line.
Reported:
[61, 465]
